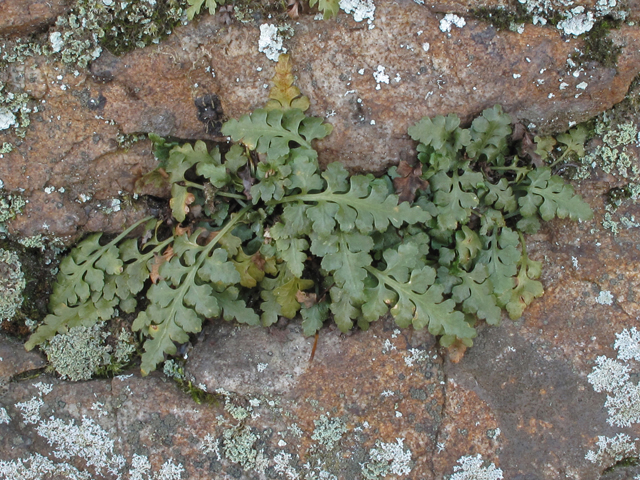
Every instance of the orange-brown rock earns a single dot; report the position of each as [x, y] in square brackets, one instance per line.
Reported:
[22, 17]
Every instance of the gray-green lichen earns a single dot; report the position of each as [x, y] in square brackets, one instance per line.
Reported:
[81, 352]
[328, 431]
[78, 36]
[238, 447]
[120, 26]
[615, 155]
[14, 114]
[10, 206]
[12, 284]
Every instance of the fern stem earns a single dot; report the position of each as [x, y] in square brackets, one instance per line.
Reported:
[567, 151]
[232, 195]
[187, 183]
[129, 230]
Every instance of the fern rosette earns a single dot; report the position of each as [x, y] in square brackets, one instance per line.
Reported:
[258, 231]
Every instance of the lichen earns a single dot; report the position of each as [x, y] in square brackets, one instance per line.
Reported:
[14, 113]
[270, 42]
[238, 447]
[10, 206]
[12, 284]
[79, 353]
[387, 459]
[612, 450]
[4, 416]
[328, 431]
[475, 468]
[86, 441]
[613, 377]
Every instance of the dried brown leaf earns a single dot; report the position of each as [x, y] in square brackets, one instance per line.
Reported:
[158, 260]
[306, 299]
[284, 95]
[456, 351]
[409, 181]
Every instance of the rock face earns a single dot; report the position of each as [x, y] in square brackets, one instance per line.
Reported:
[371, 84]
[21, 17]
[552, 395]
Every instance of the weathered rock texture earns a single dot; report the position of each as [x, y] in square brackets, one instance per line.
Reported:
[14, 360]
[386, 403]
[74, 144]
[21, 17]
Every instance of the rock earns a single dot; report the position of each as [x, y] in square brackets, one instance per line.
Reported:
[272, 366]
[22, 17]
[523, 72]
[523, 403]
[14, 360]
[81, 118]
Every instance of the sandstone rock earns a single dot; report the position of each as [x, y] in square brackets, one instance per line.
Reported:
[523, 72]
[22, 17]
[81, 117]
[386, 400]
[15, 360]
[273, 365]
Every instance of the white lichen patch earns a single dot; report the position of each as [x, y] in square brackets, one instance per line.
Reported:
[87, 442]
[628, 344]
[211, 445]
[578, 24]
[387, 459]
[415, 355]
[43, 388]
[4, 416]
[475, 468]
[450, 20]
[380, 77]
[270, 42]
[328, 431]
[37, 467]
[7, 119]
[282, 464]
[361, 10]
[12, 284]
[613, 377]
[30, 410]
[605, 297]
[612, 450]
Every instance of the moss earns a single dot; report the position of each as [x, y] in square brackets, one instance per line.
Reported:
[502, 18]
[625, 462]
[198, 393]
[598, 47]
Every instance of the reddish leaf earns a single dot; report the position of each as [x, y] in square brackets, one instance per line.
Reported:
[409, 181]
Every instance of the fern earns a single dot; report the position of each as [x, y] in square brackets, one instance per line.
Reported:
[437, 243]
[329, 8]
[196, 5]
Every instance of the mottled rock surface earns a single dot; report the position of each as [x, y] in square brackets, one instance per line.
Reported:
[14, 360]
[21, 17]
[522, 404]
[371, 84]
